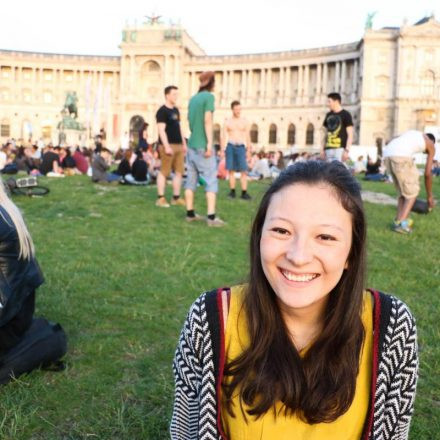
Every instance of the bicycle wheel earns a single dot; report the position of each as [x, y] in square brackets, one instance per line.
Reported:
[31, 191]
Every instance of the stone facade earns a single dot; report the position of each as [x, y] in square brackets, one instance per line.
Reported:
[389, 81]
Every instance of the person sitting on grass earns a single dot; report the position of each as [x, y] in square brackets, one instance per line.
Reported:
[20, 276]
[50, 162]
[124, 167]
[302, 350]
[139, 169]
[100, 166]
[68, 163]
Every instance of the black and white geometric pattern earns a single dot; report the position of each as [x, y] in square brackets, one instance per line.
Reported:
[195, 405]
[397, 376]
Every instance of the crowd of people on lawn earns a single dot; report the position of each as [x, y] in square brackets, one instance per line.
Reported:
[195, 161]
[301, 344]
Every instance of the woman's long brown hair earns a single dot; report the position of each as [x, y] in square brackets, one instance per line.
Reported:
[319, 387]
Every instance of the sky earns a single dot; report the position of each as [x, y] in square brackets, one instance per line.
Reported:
[219, 27]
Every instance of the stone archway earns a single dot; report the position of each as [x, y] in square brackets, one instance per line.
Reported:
[151, 82]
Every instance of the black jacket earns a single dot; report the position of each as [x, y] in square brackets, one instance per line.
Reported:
[18, 277]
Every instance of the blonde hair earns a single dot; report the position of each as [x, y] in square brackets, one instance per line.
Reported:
[27, 249]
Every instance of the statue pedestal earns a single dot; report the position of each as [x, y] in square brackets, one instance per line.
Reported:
[70, 137]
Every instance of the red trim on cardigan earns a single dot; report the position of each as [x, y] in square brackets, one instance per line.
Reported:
[376, 330]
[221, 360]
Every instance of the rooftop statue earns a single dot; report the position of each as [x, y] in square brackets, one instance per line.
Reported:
[369, 20]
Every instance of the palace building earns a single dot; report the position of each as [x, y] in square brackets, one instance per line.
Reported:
[389, 81]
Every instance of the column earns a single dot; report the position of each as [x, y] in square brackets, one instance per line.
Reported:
[337, 76]
[281, 89]
[318, 83]
[231, 91]
[224, 88]
[262, 87]
[131, 76]
[166, 66]
[343, 77]
[325, 80]
[306, 84]
[299, 97]
[193, 83]
[33, 83]
[250, 89]
[269, 88]
[243, 86]
[288, 86]
[354, 81]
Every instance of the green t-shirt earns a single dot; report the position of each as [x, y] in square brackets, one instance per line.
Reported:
[199, 104]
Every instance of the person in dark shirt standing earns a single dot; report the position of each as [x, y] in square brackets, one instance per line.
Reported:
[339, 125]
[172, 148]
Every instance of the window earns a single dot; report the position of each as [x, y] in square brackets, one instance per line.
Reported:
[291, 134]
[254, 133]
[47, 132]
[4, 95]
[382, 86]
[272, 134]
[26, 73]
[27, 96]
[47, 97]
[6, 72]
[48, 75]
[310, 134]
[427, 83]
[5, 128]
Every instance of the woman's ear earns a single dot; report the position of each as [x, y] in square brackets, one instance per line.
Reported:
[346, 265]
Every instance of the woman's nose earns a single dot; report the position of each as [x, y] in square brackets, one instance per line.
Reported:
[299, 251]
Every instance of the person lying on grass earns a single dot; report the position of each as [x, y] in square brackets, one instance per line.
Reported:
[301, 350]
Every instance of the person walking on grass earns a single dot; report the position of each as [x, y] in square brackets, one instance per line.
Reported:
[172, 148]
[398, 155]
[201, 160]
[236, 142]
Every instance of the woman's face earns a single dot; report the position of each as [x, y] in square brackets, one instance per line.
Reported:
[305, 243]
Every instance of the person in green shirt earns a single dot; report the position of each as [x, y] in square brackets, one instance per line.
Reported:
[201, 160]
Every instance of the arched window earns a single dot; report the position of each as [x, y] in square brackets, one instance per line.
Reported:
[427, 83]
[291, 134]
[272, 134]
[5, 130]
[310, 134]
[254, 133]
[216, 134]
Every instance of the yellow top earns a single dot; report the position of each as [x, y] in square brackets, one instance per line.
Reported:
[347, 427]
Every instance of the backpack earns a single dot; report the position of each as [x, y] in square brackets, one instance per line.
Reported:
[42, 346]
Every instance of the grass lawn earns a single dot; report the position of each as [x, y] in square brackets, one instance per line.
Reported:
[120, 276]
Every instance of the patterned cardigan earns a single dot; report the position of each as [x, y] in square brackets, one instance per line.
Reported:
[200, 356]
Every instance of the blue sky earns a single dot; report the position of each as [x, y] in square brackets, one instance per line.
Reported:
[221, 27]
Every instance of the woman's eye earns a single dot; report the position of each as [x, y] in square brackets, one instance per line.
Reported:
[326, 237]
[280, 231]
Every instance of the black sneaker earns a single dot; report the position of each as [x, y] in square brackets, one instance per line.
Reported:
[246, 196]
[231, 195]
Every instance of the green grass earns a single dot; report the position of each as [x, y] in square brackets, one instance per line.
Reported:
[120, 276]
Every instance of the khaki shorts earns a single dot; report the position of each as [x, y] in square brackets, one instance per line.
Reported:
[176, 162]
[405, 175]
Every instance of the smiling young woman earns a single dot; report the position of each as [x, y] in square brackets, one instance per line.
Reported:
[301, 350]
